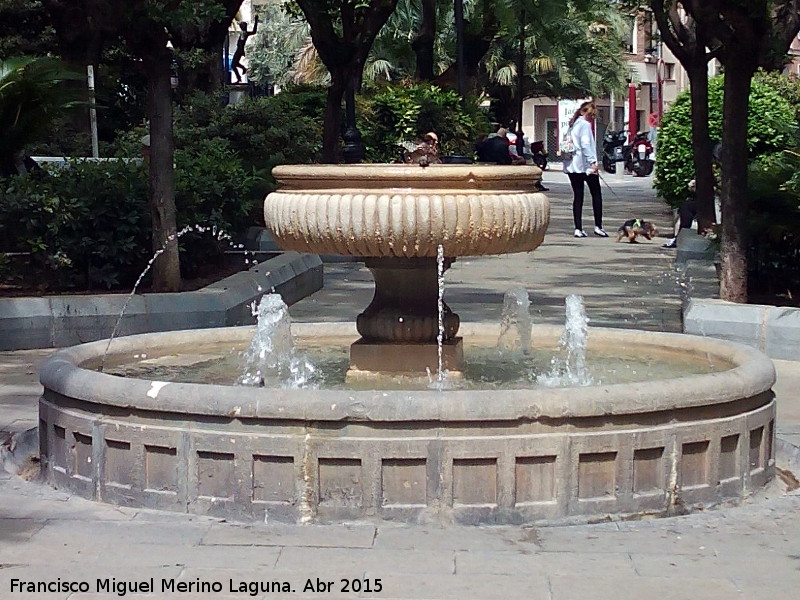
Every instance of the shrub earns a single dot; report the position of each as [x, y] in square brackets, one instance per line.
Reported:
[213, 196]
[397, 113]
[264, 131]
[85, 226]
[774, 222]
[88, 226]
[768, 131]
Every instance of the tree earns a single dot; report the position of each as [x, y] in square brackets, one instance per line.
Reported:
[689, 45]
[744, 34]
[199, 39]
[31, 95]
[84, 27]
[24, 29]
[343, 32]
[274, 49]
[572, 52]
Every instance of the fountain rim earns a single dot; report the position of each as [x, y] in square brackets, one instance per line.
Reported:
[474, 177]
[752, 374]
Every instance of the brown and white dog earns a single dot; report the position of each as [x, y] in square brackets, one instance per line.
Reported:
[633, 228]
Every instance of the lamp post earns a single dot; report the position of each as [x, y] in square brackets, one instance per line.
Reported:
[458, 11]
[353, 150]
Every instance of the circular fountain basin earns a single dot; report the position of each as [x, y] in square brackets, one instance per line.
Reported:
[465, 456]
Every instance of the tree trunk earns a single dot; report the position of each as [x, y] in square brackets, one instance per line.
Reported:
[701, 147]
[333, 118]
[161, 197]
[424, 40]
[733, 284]
[205, 77]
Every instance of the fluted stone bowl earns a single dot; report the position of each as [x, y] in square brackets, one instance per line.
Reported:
[395, 217]
[406, 211]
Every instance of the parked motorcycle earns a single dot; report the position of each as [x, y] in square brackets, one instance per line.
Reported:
[539, 155]
[639, 156]
[613, 147]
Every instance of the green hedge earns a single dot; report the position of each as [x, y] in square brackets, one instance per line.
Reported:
[264, 131]
[404, 112]
[87, 226]
[768, 131]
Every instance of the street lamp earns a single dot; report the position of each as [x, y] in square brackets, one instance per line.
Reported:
[353, 150]
[458, 11]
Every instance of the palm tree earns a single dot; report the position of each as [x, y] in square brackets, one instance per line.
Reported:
[31, 95]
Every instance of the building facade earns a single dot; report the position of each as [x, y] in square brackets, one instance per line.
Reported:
[656, 78]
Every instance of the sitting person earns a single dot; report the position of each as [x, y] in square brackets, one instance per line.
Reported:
[424, 152]
[687, 213]
[494, 149]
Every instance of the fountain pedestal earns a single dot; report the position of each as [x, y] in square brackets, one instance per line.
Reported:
[400, 327]
[378, 360]
[395, 218]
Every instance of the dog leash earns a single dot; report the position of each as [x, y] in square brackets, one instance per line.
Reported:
[610, 189]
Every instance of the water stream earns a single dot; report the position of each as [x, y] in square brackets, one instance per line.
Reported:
[440, 376]
[170, 238]
[516, 321]
[271, 358]
[570, 368]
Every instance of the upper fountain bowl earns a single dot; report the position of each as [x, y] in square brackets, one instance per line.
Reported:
[406, 211]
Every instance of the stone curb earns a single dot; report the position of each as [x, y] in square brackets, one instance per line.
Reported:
[58, 321]
[775, 330]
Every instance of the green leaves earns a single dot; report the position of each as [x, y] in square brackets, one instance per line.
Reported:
[768, 131]
[397, 113]
[31, 96]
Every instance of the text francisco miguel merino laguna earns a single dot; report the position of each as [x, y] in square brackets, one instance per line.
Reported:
[148, 586]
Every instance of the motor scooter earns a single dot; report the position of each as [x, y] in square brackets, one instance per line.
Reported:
[639, 156]
[539, 155]
[613, 150]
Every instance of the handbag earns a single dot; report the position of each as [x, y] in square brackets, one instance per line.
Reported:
[567, 147]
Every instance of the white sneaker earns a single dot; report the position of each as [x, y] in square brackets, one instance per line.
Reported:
[600, 231]
[579, 233]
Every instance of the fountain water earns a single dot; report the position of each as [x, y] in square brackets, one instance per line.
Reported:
[515, 320]
[464, 455]
[271, 358]
[440, 313]
[571, 367]
[170, 238]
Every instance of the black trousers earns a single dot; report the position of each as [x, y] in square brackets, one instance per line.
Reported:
[577, 180]
[687, 214]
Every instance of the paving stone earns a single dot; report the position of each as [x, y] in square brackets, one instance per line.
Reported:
[511, 563]
[422, 537]
[120, 533]
[17, 530]
[522, 586]
[26, 401]
[350, 560]
[341, 536]
[623, 587]
[747, 567]
[555, 539]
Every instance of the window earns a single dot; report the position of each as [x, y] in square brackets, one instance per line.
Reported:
[669, 71]
[629, 37]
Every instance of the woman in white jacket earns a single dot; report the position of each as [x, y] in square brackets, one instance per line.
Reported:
[583, 169]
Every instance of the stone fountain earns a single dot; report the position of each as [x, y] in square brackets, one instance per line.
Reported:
[395, 217]
[464, 455]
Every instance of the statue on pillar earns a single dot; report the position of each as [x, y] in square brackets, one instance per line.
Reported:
[236, 61]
